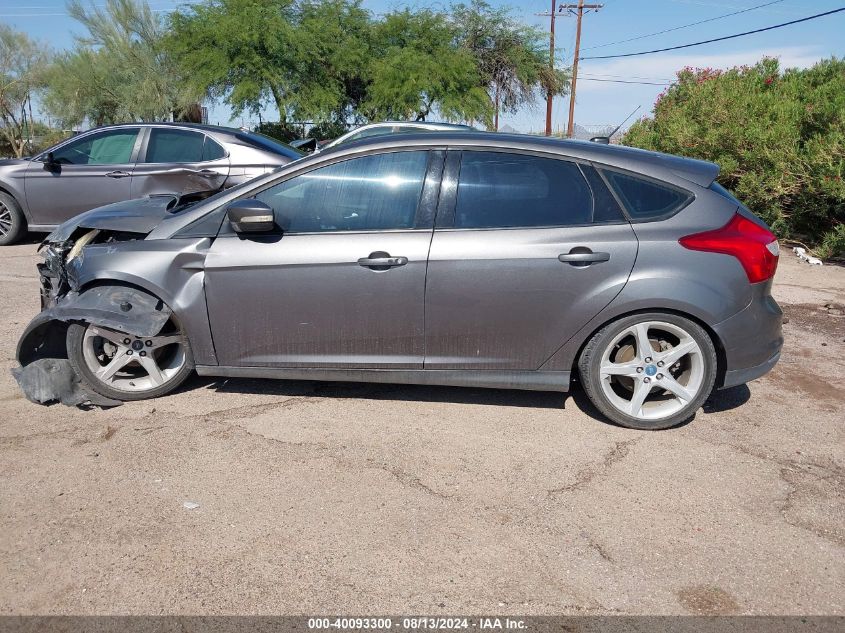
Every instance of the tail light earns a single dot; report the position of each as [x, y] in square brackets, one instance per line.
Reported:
[756, 248]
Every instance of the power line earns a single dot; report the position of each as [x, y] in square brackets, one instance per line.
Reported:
[719, 39]
[685, 26]
[624, 81]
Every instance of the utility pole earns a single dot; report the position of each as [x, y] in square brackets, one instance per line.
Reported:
[578, 11]
[550, 96]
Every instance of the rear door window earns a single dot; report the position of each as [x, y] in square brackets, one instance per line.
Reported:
[502, 190]
[646, 200]
[174, 146]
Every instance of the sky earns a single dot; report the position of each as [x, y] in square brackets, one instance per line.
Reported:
[600, 99]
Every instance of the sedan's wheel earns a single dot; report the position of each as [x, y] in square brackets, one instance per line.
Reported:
[12, 223]
[649, 371]
[126, 367]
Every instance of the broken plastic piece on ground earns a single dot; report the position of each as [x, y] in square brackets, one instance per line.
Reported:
[51, 380]
[190, 505]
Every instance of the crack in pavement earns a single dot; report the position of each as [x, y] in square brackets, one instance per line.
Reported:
[407, 479]
[795, 474]
[584, 476]
[222, 415]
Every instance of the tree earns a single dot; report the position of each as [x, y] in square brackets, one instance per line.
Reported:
[512, 58]
[304, 57]
[119, 71]
[419, 67]
[779, 138]
[22, 63]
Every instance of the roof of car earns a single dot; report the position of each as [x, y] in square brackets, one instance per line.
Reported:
[697, 171]
[220, 129]
[415, 124]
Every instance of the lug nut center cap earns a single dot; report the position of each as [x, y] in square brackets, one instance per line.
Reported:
[137, 345]
[650, 370]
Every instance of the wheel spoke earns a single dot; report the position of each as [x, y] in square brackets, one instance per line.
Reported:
[672, 356]
[641, 391]
[644, 348]
[619, 369]
[149, 364]
[161, 341]
[110, 335]
[673, 386]
[120, 360]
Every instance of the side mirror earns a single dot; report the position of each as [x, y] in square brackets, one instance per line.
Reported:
[50, 163]
[250, 216]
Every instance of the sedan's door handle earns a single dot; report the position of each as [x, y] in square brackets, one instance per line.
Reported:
[209, 173]
[382, 260]
[583, 257]
[118, 174]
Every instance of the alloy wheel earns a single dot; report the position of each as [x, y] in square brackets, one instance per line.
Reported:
[130, 363]
[651, 370]
[5, 220]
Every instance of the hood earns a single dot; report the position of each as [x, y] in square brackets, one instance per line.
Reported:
[131, 216]
[14, 161]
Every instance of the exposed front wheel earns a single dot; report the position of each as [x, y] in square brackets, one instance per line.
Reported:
[649, 371]
[126, 367]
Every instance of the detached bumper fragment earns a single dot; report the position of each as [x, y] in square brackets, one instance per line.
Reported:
[52, 380]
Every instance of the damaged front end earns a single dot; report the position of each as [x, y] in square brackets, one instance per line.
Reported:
[45, 374]
[61, 258]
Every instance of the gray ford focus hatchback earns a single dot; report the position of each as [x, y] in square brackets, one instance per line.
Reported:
[465, 259]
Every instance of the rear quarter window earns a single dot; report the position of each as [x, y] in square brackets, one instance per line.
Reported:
[646, 200]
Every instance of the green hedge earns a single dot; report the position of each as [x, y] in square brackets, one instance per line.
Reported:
[779, 137]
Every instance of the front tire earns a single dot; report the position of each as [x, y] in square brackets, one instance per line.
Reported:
[12, 220]
[649, 371]
[125, 367]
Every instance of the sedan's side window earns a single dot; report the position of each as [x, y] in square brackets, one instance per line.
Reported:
[371, 193]
[112, 147]
[501, 190]
[174, 146]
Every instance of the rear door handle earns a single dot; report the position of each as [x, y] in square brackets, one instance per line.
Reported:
[583, 257]
[382, 260]
[118, 174]
[208, 173]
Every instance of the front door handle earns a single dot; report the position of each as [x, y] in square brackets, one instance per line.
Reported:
[118, 174]
[580, 255]
[381, 261]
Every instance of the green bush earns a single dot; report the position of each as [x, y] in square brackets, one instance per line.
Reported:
[778, 136]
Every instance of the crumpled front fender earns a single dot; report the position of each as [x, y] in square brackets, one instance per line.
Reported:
[122, 308]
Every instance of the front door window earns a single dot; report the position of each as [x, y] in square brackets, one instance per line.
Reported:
[113, 147]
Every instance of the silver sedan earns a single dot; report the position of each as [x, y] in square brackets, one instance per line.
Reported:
[121, 162]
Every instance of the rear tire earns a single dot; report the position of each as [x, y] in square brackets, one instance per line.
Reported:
[12, 220]
[145, 367]
[649, 371]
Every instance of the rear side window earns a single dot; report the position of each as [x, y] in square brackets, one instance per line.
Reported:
[212, 150]
[645, 199]
[500, 190]
[174, 146]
